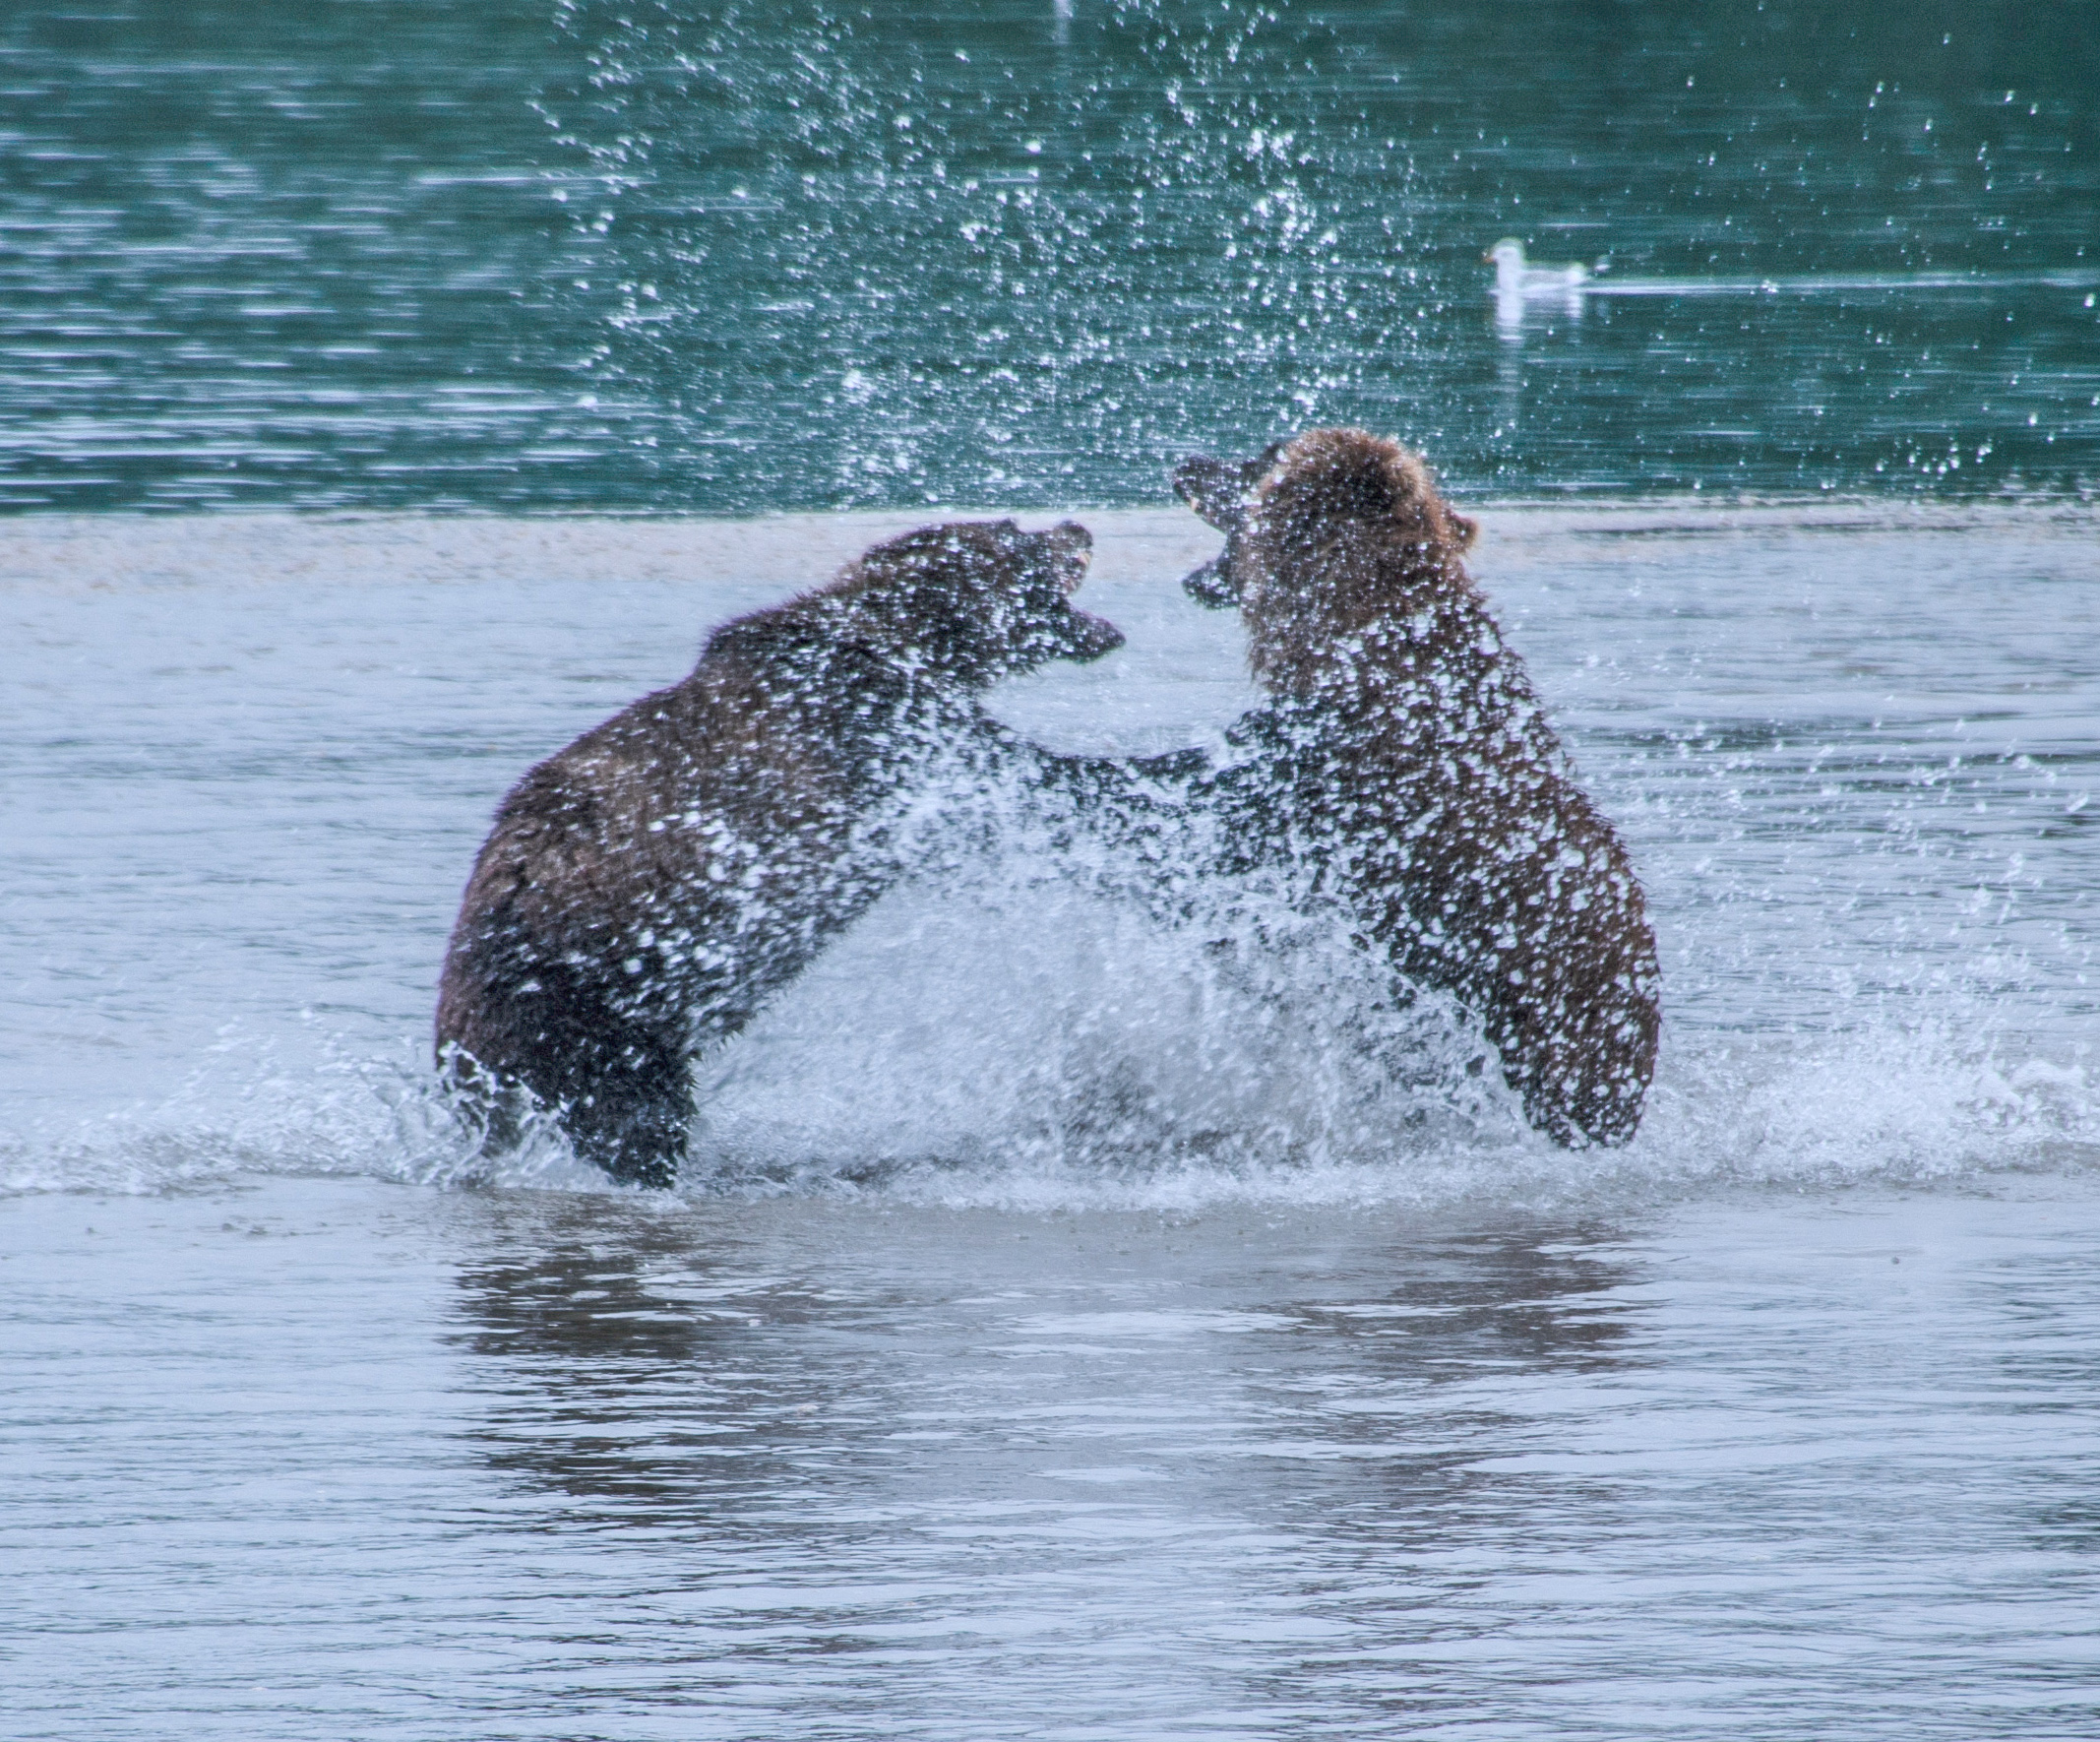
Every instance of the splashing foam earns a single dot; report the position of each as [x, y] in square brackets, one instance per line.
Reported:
[1034, 1042]
[1032, 1046]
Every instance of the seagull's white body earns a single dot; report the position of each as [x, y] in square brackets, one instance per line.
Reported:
[1516, 277]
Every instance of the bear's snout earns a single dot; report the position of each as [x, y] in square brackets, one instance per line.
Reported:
[1089, 637]
[1213, 488]
[1218, 491]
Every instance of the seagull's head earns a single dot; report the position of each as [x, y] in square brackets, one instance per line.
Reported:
[1507, 256]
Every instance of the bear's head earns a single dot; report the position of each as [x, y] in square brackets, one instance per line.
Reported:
[1323, 536]
[1220, 490]
[978, 600]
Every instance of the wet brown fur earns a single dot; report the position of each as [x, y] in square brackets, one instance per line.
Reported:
[645, 890]
[1406, 756]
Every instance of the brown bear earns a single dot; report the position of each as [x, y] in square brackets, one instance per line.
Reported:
[644, 891]
[1404, 764]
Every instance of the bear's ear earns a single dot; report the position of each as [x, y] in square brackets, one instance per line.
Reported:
[1465, 530]
[1071, 547]
[1253, 471]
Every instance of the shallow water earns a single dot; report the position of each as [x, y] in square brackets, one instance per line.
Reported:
[1055, 1337]
[318, 1455]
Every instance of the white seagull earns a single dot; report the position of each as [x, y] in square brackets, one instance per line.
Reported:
[1515, 277]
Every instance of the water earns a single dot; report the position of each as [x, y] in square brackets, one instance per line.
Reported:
[1055, 1338]
[1767, 1468]
[1059, 1332]
[681, 257]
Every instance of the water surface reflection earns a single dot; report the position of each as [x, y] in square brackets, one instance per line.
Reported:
[1098, 1463]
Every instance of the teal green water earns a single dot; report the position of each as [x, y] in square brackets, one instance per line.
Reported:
[663, 256]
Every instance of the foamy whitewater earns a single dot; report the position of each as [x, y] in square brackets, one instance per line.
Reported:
[1066, 1326]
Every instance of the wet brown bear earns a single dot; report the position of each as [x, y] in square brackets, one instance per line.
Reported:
[1403, 759]
[645, 890]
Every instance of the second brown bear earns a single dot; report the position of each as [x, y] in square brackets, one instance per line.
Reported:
[1404, 764]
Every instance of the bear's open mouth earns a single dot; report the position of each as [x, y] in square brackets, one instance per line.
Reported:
[1211, 584]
